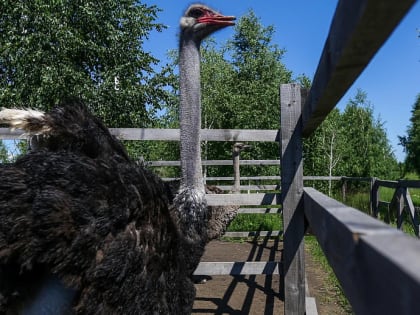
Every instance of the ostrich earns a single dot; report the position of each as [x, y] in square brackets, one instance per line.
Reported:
[84, 230]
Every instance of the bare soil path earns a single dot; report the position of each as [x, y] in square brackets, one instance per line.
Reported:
[259, 295]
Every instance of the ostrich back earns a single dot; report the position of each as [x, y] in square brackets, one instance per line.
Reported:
[102, 227]
[72, 127]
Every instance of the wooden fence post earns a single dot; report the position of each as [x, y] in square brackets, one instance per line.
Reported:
[292, 199]
[372, 183]
[343, 188]
[374, 198]
[412, 211]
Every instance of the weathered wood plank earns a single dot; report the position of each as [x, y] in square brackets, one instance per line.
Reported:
[254, 234]
[358, 30]
[292, 199]
[217, 162]
[361, 250]
[230, 178]
[409, 183]
[173, 134]
[387, 183]
[411, 211]
[397, 257]
[322, 177]
[8, 134]
[255, 178]
[250, 187]
[311, 306]
[259, 210]
[237, 268]
[358, 179]
[242, 199]
[206, 134]
[374, 198]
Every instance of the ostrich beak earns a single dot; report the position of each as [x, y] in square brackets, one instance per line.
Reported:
[217, 19]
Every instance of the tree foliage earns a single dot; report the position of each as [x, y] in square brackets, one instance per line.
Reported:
[411, 142]
[50, 50]
[352, 143]
[4, 156]
[241, 89]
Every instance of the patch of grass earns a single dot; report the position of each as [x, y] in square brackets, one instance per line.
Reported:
[358, 200]
[256, 222]
[414, 176]
[318, 255]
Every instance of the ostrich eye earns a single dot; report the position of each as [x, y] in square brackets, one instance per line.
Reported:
[196, 13]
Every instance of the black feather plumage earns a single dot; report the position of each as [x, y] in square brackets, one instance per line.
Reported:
[101, 226]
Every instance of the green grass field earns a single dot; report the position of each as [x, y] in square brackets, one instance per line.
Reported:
[256, 222]
[316, 252]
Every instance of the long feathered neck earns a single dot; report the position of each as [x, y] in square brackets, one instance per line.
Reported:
[190, 202]
[190, 113]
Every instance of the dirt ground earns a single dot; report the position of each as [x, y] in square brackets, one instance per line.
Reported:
[259, 295]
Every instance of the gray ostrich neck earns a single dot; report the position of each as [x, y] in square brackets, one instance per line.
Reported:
[190, 114]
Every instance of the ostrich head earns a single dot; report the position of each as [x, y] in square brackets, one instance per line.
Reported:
[201, 21]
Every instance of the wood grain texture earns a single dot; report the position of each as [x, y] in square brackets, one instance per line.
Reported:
[217, 162]
[206, 134]
[243, 199]
[377, 265]
[254, 234]
[237, 268]
[292, 199]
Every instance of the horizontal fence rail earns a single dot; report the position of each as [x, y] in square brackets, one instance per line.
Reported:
[173, 134]
[377, 265]
[250, 187]
[217, 163]
[260, 178]
[237, 268]
[242, 199]
[401, 201]
[254, 234]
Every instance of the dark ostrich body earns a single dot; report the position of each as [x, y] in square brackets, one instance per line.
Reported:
[93, 232]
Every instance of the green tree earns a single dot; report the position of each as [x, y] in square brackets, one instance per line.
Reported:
[411, 142]
[259, 71]
[367, 151]
[323, 151]
[352, 143]
[50, 50]
[4, 156]
[250, 72]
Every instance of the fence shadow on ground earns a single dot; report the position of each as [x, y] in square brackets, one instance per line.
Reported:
[252, 294]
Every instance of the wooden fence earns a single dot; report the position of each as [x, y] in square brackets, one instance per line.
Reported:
[376, 265]
[401, 201]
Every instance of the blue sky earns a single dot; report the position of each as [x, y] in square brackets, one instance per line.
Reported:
[391, 81]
